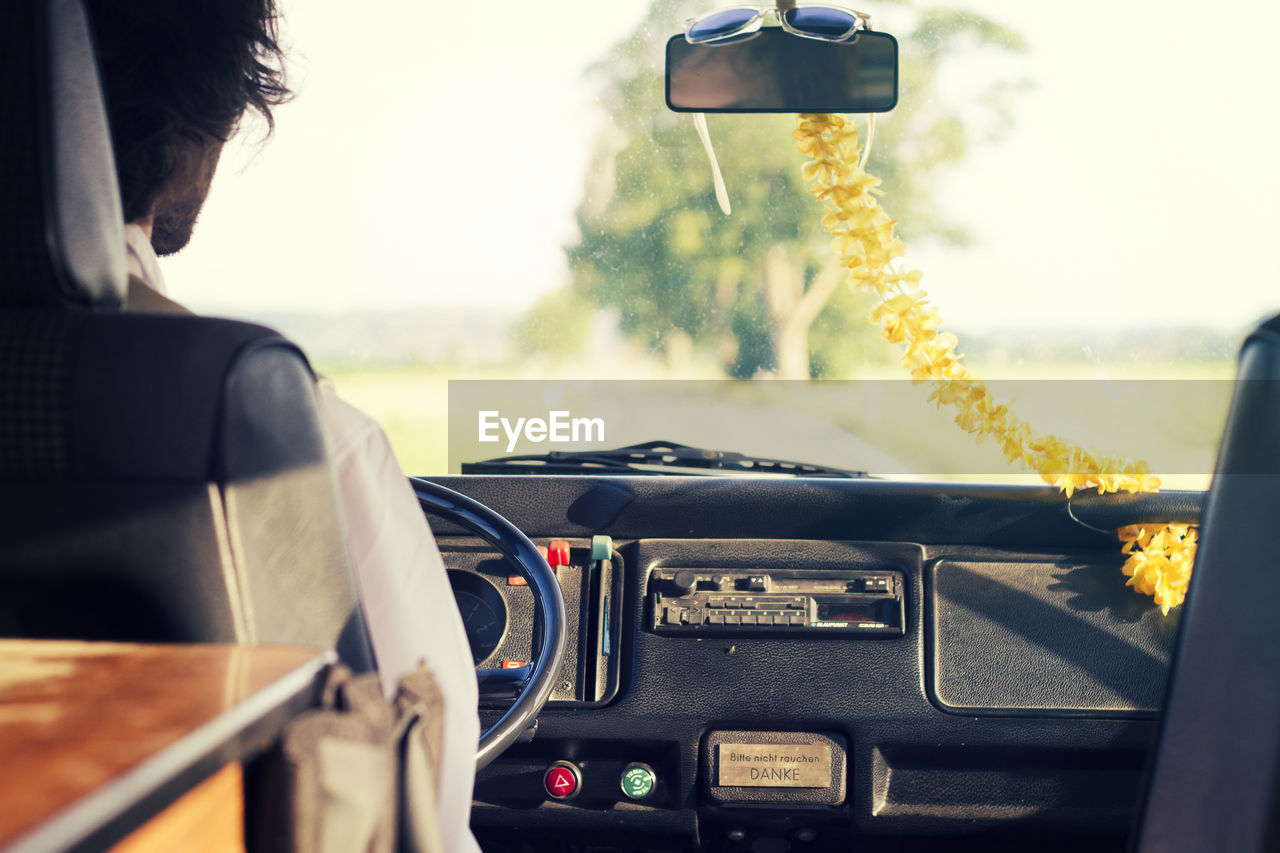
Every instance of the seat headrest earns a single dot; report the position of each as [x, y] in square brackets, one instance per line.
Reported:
[61, 223]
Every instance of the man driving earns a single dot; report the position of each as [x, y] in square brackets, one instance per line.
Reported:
[179, 79]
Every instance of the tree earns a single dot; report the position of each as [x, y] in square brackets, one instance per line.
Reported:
[759, 289]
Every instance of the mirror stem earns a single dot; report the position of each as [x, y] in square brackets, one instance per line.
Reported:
[722, 194]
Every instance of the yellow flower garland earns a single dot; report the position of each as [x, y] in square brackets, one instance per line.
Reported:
[1161, 564]
[1160, 559]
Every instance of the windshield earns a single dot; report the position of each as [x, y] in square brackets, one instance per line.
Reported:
[1088, 190]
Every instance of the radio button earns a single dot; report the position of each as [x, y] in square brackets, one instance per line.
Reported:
[748, 618]
[796, 619]
[798, 605]
[716, 619]
[732, 619]
[685, 582]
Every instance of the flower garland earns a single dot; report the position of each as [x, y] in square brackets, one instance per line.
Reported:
[1160, 558]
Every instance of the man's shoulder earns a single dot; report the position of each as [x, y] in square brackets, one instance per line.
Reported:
[144, 299]
[350, 429]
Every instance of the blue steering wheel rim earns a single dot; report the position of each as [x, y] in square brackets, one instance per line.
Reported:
[534, 686]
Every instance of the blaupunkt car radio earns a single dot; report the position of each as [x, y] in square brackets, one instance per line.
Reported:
[771, 602]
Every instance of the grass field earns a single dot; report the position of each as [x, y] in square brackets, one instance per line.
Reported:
[1170, 417]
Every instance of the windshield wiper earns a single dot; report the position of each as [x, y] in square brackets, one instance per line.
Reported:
[651, 457]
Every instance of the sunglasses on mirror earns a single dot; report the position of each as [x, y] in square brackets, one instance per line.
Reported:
[825, 23]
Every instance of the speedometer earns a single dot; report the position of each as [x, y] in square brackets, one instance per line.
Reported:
[484, 626]
[484, 614]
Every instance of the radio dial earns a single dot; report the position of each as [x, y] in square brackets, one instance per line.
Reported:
[685, 582]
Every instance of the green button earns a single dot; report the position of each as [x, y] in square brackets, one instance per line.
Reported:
[638, 781]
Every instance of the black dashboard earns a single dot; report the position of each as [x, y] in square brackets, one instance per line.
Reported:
[1015, 701]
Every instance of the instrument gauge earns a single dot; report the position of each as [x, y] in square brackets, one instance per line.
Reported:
[484, 613]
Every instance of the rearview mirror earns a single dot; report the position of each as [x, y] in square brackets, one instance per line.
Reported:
[776, 72]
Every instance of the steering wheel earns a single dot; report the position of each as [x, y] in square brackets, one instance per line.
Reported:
[531, 685]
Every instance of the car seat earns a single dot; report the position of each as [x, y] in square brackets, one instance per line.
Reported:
[1215, 778]
[162, 477]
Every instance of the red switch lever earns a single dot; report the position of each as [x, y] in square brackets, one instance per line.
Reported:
[558, 553]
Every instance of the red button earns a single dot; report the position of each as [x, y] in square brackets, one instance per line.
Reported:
[558, 553]
[512, 664]
[561, 780]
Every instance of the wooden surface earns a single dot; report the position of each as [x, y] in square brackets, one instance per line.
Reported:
[88, 727]
[208, 819]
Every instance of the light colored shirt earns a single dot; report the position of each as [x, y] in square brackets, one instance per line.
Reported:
[408, 604]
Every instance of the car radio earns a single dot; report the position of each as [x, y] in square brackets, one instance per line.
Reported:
[706, 602]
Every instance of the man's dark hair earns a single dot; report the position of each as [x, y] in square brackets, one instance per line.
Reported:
[178, 72]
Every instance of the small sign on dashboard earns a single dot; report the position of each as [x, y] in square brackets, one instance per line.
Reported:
[775, 765]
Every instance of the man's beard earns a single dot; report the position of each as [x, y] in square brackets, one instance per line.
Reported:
[179, 206]
[171, 228]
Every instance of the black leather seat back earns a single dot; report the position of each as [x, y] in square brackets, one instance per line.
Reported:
[1215, 781]
[162, 477]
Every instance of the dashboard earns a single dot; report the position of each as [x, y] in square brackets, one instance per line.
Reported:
[800, 664]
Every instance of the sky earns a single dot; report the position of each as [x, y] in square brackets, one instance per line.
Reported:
[436, 162]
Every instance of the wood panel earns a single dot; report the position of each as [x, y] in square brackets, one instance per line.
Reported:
[208, 819]
[95, 727]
